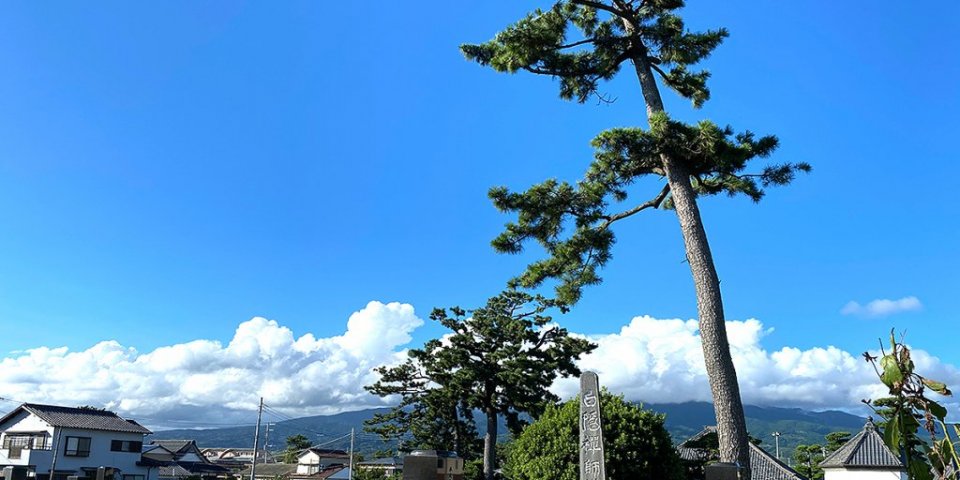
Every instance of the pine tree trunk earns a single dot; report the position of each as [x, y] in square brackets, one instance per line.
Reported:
[731, 424]
[490, 445]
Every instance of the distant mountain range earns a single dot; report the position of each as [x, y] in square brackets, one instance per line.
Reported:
[797, 426]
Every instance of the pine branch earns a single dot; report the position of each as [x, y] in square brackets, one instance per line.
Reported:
[652, 203]
[598, 6]
[577, 44]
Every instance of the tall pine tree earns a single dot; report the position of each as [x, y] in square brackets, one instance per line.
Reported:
[582, 43]
[501, 359]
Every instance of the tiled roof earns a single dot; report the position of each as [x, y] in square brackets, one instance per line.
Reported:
[85, 418]
[174, 446]
[326, 452]
[865, 450]
[174, 470]
[764, 466]
[692, 453]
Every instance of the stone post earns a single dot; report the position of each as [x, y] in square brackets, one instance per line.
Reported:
[591, 433]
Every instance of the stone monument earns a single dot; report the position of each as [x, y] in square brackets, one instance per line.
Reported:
[591, 433]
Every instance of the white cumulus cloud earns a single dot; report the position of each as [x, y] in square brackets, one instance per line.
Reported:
[661, 361]
[203, 380]
[882, 307]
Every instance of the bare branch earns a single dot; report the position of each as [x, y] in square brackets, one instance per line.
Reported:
[599, 6]
[547, 334]
[604, 99]
[577, 44]
[652, 203]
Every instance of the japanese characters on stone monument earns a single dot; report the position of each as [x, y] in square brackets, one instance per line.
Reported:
[591, 433]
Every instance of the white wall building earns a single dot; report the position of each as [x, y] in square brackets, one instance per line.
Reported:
[864, 457]
[72, 441]
[313, 460]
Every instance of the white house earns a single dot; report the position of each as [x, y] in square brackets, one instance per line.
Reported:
[864, 457]
[313, 460]
[72, 442]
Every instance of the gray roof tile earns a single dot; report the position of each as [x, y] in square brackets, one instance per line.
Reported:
[763, 466]
[865, 450]
[86, 418]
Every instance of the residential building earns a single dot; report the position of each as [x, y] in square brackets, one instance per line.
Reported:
[70, 441]
[187, 461]
[313, 460]
[864, 457]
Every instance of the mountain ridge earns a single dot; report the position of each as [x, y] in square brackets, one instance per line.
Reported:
[796, 425]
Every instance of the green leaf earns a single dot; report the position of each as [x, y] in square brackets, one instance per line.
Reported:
[937, 410]
[891, 376]
[936, 386]
[920, 471]
[891, 433]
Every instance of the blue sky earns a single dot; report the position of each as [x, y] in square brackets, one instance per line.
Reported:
[168, 171]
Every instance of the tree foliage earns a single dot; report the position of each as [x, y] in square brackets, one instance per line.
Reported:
[582, 43]
[295, 444]
[807, 458]
[372, 474]
[909, 410]
[636, 444]
[500, 360]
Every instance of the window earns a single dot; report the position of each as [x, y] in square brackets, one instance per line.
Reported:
[77, 447]
[125, 446]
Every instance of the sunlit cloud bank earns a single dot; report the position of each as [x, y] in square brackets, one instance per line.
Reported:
[661, 361]
[206, 383]
[204, 380]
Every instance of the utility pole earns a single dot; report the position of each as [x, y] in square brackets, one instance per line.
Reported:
[266, 444]
[776, 435]
[56, 449]
[256, 442]
[350, 474]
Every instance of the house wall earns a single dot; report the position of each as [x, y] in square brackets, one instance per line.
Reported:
[862, 474]
[24, 422]
[100, 454]
[310, 462]
[41, 460]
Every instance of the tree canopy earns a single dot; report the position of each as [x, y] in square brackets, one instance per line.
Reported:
[499, 360]
[636, 444]
[581, 44]
[807, 458]
[295, 444]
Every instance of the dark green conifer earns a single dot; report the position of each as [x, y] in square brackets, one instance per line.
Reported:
[582, 43]
[500, 359]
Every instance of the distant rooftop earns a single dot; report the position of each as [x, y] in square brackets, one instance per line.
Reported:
[865, 450]
[80, 417]
[763, 466]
